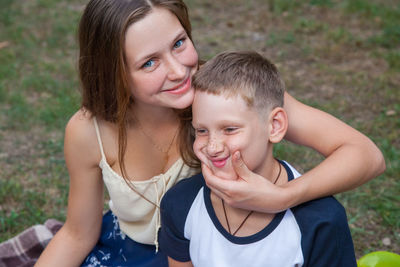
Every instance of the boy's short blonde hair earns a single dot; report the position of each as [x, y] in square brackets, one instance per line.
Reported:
[243, 73]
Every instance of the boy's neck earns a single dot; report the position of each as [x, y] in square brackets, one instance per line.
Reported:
[272, 169]
[235, 216]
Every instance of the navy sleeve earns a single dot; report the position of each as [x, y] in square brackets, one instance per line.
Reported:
[175, 206]
[171, 236]
[326, 238]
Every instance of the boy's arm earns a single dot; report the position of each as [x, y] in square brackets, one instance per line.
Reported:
[174, 263]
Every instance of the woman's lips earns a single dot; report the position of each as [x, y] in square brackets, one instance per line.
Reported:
[181, 88]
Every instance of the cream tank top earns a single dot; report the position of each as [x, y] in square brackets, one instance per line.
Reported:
[139, 219]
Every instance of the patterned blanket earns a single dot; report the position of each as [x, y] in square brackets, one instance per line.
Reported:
[24, 249]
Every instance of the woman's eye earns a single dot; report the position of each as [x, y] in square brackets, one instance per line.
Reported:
[179, 43]
[149, 64]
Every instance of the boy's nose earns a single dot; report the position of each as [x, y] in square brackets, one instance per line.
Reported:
[214, 147]
[176, 71]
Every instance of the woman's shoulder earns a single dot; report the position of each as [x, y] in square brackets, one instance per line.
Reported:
[80, 131]
[80, 124]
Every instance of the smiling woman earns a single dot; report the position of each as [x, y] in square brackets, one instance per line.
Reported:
[150, 79]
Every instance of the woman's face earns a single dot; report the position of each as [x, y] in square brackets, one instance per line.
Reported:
[161, 61]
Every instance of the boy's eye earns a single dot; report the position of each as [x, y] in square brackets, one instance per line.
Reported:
[230, 130]
[200, 132]
[179, 43]
[149, 63]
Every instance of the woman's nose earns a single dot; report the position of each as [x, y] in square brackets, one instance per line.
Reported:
[176, 71]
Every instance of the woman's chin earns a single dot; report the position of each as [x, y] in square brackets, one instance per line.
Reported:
[184, 101]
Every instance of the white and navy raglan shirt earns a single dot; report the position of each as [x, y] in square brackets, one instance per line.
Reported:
[314, 234]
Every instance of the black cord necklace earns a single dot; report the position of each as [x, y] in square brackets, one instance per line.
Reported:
[251, 212]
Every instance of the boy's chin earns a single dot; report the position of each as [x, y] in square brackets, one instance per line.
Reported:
[224, 174]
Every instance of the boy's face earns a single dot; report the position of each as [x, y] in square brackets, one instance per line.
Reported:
[226, 125]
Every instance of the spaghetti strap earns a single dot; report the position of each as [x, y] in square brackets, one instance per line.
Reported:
[99, 138]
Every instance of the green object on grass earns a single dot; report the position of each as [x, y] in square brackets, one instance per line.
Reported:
[379, 259]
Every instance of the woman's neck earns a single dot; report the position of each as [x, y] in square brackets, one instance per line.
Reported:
[153, 116]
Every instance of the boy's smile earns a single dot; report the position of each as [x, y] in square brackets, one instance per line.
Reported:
[219, 163]
[224, 125]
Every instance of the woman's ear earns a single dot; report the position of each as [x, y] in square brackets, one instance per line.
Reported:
[278, 124]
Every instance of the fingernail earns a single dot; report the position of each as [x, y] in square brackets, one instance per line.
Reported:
[236, 156]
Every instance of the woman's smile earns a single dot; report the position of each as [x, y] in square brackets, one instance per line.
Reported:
[180, 88]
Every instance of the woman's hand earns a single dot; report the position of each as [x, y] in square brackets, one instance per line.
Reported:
[250, 191]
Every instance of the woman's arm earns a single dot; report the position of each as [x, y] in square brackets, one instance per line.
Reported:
[79, 234]
[352, 159]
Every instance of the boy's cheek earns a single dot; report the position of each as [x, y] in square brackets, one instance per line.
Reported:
[198, 145]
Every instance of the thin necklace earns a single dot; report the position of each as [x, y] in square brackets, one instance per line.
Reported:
[251, 212]
[157, 146]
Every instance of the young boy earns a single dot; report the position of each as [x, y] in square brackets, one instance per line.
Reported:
[238, 106]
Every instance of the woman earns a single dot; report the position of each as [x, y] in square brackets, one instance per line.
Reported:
[136, 62]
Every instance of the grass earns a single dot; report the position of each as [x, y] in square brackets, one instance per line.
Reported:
[339, 56]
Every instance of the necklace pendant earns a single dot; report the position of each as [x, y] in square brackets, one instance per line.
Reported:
[251, 212]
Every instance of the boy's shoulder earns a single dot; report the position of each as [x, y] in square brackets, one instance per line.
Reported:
[181, 195]
[325, 208]
[322, 210]
[322, 214]
[175, 206]
[185, 187]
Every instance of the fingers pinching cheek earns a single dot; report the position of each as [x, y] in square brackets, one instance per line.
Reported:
[209, 176]
[238, 163]
[220, 194]
[198, 151]
[237, 160]
[207, 173]
[212, 182]
[204, 161]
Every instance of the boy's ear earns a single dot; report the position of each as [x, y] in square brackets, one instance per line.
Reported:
[278, 124]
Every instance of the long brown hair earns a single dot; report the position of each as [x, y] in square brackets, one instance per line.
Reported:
[102, 63]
